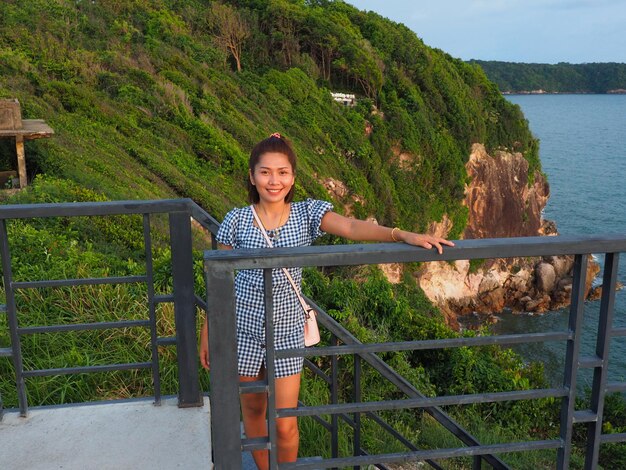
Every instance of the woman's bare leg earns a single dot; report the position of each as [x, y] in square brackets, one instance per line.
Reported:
[254, 409]
[287, 391]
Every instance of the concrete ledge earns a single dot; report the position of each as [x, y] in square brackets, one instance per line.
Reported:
[113, 435]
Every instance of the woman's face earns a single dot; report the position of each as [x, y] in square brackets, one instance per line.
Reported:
[273, 177]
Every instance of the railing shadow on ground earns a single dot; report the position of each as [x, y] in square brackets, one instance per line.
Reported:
[225, 389]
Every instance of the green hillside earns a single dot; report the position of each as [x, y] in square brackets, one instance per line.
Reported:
[512, 77]
[146, 101]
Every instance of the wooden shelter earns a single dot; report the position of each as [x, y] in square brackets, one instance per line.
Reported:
[12, 125]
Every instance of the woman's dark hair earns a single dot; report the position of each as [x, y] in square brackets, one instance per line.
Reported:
[273, 144]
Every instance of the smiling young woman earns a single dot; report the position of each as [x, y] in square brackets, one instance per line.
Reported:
[272, 173]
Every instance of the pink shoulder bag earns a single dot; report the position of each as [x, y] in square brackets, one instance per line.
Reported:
[311, 331]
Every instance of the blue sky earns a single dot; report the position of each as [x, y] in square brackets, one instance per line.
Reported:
[540, 31]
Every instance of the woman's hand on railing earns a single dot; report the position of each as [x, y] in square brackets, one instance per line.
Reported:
[204, 346]
[425, 241]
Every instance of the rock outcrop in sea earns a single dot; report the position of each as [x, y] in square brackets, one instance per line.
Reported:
[501, 204]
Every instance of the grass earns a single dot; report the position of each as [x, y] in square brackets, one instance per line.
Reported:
[434, 436]
[87, 304]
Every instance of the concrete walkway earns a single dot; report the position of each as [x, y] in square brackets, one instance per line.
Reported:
[114, 435]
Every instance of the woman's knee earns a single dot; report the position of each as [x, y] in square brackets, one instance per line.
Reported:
[254, 406]
[287, 429]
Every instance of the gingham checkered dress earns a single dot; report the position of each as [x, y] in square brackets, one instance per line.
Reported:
[238, 231]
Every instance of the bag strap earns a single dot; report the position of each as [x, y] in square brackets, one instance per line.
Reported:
[305, 307]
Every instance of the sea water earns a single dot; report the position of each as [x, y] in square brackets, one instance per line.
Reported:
[583, 154]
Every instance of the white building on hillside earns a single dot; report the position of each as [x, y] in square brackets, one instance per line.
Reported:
[347, 99]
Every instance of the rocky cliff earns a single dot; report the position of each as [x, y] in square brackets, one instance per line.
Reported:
[501, 203]
[500, 200]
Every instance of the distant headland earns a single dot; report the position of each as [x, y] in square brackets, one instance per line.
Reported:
[561, 78]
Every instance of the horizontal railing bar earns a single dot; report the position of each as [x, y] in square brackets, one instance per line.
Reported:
[612, 438]
[403, 440]
[376, 253]
[258, 386]
[590, 362]
[585, 416]
[161, 299]
[86, 369]
[379, 466]
[374, 417]
[29, 330]
[319, 419]
[618, 332]
[402, 384]
[317, 371]
[434, 454]
[612, 387]
[166, 341]
[391, 430]
[423, 402]
[6, 352]
[307, 462]
[78, 282]
[200, 302]
[255, 443]
[424, 344]
[79, 209]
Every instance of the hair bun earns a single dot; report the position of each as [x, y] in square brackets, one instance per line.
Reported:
[277, 135]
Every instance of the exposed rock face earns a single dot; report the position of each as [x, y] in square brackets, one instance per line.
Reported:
[340, 192]
[515, 284]
[501, 204]
[392, 271]
[440, 229]
[545, 274]
[500, 201]
[404, 160]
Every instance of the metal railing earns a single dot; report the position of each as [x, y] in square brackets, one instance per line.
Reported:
[183, 297]
[227, 443]
[225, 389]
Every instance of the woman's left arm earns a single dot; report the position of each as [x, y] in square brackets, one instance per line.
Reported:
[361, 230]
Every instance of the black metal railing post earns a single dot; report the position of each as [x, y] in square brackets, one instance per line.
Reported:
[225, 420]
[152, 309]
[189, 393]
[334, 399]
[11, 310]
[357, 399]
[577, 308]
[270, 367]
[600, 373]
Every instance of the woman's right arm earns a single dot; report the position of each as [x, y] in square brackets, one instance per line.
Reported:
[204, 332]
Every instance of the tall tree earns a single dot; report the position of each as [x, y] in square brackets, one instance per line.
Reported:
[229, 28]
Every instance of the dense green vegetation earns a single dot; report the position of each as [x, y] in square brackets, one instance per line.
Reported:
[165, 98]
[145, 101]
[514, 77]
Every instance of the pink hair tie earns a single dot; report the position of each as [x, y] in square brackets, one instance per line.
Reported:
[277, 135]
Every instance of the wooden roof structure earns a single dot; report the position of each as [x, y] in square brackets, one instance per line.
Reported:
[13, 126]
